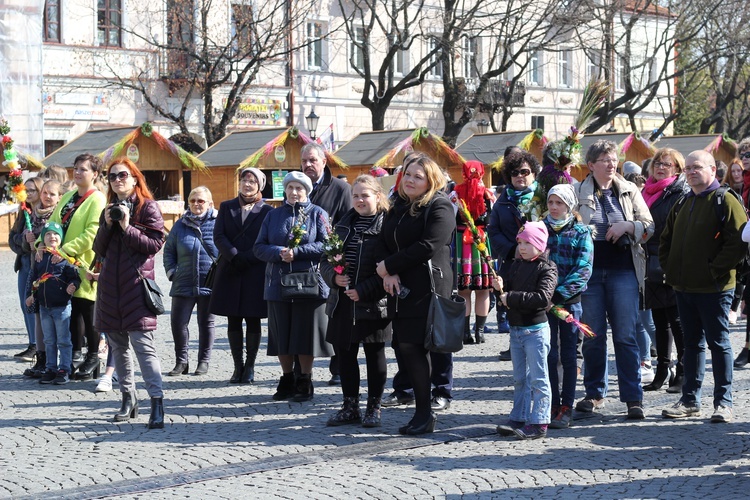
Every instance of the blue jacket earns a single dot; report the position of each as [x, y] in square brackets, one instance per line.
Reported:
[186, 260]
[572, 250]
[274, 236]
[52, 292]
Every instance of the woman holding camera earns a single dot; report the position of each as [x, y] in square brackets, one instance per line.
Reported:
[415, 248]
[131, 231]
[621, 221]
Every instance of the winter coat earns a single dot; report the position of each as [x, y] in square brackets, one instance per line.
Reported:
[372, 303]
[238, 285]
[332, 195]
[120, 299]
[406, 244]
[658, 294]
[697, 252]
[572, 251]
[186, 259]
[502, 228]
[530, 286]
[274, 237]
[79, 236]
[52, 292]
[635, 210]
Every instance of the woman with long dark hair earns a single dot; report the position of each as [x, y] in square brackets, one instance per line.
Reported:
[131, 231]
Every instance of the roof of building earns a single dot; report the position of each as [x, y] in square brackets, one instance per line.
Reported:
[590, 139]
[93, 141]
[237, 146]
[487, 148]
[369, 147]
[686, 144]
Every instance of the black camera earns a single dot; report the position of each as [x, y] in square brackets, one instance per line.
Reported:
[118, 208]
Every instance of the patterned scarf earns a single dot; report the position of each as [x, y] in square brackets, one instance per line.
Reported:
[558, 225]
[521, 197]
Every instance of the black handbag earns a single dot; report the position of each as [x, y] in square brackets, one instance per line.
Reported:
[445, 320]
[153, 294]
[211, 274]
[300, 285]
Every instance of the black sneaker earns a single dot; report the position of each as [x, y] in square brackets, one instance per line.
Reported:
[397, 399]
[48, 377]
[635, 410]
[27, 354]
[61, 378]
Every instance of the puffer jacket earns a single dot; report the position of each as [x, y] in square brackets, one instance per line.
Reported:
[372, 304]
[120, 299]
[186, 259]
[572, 251]
[274, 237]
[52, 292]
[530, 286]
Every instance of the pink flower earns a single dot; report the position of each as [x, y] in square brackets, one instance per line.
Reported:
[338, 269]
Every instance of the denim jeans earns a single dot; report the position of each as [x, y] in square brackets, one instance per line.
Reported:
[705, 320]
[182, 309]
[56, 328]
[529, 348]
[23, 278]
[563, 348]
[612, 295]
[645, 334]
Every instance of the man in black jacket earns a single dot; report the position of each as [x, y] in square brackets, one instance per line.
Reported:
[332, 195]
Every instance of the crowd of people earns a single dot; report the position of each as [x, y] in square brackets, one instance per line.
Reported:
[336, 266]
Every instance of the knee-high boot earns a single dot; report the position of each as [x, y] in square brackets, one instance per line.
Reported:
[235, 345]
[248, 371]
[468, 339]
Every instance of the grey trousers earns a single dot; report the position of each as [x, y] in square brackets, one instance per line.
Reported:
[143, 345]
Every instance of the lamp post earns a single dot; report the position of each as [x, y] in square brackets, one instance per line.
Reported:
[483, 125]
[312, 123]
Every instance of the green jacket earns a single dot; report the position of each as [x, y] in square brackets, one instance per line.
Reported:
[79, 237]
[697, 252]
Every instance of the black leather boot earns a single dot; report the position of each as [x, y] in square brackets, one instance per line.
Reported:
[468, 339]
[248, 371]
[90, 367]
[663, 373]
[235, 344]
[675, 384]
[129, 408]
[742, 359]
[156, 420]
[479, 329]
[304, 388]
[285, 389]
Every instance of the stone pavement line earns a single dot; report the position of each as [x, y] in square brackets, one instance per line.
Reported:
[359, 450]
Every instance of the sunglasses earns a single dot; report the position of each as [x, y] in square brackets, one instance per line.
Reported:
[197, 202]
[522, 173]
[745, 155]
[121, 176]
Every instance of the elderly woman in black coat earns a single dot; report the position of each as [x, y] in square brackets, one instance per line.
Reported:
[415, 248]
[238, 285]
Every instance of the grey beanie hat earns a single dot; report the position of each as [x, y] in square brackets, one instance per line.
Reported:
[296, 176]
[630, 167]
[566, 193]
[259, 176]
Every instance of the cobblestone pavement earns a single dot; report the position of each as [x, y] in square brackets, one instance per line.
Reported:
[227, 441]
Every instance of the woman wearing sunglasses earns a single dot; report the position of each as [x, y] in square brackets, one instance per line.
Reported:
[188, 254]
[131, 231]
[518, 203]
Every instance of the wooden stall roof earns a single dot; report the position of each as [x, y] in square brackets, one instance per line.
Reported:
[590, 139]
[231, 150]
[488, 147]
[635, 148]
[93, 141]
[686, 144]
[369, 147]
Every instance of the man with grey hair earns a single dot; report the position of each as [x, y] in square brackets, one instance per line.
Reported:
[699, 249]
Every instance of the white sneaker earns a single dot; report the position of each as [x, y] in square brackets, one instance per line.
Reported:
[647, 373]
[732, 317]
[104, 385]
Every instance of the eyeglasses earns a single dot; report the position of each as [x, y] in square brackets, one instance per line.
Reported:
[249, 180]
[694, 168]
[118, 176]
[197, 202]
[608, 161]
[520, 173]
[745, 155]
[659, 164]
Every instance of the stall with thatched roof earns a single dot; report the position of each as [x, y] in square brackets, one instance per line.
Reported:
[274, 151]
[720, 146]
[631, 147]
[490, 147]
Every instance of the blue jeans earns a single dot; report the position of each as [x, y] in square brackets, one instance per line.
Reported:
[56, 328]
[529, 348]
[612, 294]
[705, 320]
[23, 277]
[563, 347]
[645, 332]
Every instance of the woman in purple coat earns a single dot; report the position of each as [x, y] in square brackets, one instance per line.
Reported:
[131, 231]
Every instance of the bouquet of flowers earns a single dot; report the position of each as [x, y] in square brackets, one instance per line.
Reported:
[14, 187]
[299, 229]
[564, 315]
[333, 247]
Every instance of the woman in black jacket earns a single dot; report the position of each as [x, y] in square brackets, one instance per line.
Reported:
[415, 246]
[357, 306]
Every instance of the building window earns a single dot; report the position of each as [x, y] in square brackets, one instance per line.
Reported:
[471, 57]
[537, 122]
[52, 145]
[356, 49]
[619, 73]
[437, 69]
[52, 21]
[242, 29]
[109, 22]
[564, 68]
[535, 68]
[314, 45]
[594, 66]
[402, 65]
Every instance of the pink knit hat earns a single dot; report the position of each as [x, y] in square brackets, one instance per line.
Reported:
[534, 233]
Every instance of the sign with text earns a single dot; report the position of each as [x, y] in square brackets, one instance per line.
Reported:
[277, 181]
[260, 111]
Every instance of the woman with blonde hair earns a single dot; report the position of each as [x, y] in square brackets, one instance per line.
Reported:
[415, 253]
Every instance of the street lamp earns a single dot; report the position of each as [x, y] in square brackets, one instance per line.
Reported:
[483, 125]
[312, 123]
